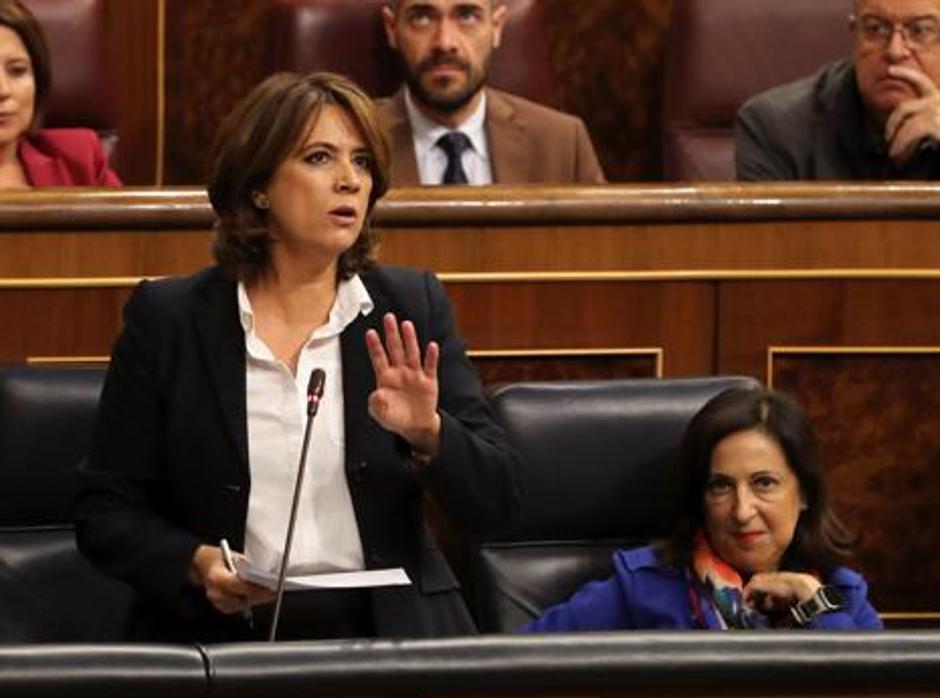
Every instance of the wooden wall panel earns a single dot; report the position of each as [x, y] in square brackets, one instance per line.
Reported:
[533, 367]
[878, 420]
[214, 54]
[676, 317]
[757, 315]
[609, 58]
[59, 322]
[136, 50]
[49, 320]
[52, 256]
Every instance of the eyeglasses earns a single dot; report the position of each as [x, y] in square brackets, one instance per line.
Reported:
[918, 32]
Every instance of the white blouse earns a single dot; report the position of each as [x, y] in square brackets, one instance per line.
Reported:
[326, 537]
[432, 160]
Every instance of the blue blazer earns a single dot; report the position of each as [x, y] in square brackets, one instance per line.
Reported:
[645, 594]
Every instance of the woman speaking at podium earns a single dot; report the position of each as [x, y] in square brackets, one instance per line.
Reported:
[203, 412]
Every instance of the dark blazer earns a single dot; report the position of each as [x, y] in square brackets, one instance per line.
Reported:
[65, 157]
[528, 142]
[646, 594]
[818, 128]
[168, 469]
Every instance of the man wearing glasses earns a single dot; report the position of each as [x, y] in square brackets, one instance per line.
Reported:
[875, 115]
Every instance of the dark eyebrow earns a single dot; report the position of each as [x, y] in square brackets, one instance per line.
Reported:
[307, 147]
[882, 18]
[316, 144]
[723, 476]
[419, 7]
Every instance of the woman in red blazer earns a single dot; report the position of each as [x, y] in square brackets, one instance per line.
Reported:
[31, 157]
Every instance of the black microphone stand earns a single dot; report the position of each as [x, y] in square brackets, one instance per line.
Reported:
[314, 393]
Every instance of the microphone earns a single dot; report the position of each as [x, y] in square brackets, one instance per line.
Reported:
[315, 391]
[314, 395]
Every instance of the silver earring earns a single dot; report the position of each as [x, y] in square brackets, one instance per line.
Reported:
[260, 200]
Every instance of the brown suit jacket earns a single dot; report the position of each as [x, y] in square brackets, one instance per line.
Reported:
[528, 142]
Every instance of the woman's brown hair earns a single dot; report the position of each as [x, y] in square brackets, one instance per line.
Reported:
[252, 142]
[820, 540]
[17, 17]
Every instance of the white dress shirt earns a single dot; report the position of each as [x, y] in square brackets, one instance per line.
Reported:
[432, 160]
[326, 537]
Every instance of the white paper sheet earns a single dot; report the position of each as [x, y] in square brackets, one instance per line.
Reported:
[394, 576]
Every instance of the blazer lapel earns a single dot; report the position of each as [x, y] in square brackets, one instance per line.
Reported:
[404, 166]
[358, 376]
[222, 340]
[509, 147]
[41, 169]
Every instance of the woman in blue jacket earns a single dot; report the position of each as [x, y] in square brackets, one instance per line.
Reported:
[757, 545]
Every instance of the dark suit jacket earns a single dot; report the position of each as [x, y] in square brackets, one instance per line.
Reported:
[169, 466]
[65, 157]
[529, 143]
[817, 128]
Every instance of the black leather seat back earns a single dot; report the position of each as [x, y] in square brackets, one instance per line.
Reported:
[596, 478]
[46, 417]
[48, 591]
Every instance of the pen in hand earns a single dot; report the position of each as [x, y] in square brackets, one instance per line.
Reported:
[227, 556]
[230, 566]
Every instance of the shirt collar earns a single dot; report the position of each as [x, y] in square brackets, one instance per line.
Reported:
[426, 132]
[352, 299]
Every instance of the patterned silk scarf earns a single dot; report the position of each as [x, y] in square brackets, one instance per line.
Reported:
[721, 585]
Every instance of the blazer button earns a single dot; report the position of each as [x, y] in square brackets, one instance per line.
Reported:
[375, 556]
[359, 471]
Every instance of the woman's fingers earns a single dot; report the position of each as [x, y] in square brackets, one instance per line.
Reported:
[401, 348]
[410, 341]
[228, 592]
[782, 588]
[393, 341]
[431, 358]
[376, 352]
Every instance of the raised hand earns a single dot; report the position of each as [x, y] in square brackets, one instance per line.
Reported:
[405, 397]
[914, 120]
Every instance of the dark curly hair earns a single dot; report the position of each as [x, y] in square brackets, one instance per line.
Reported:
[252, 142]
[820, 541]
